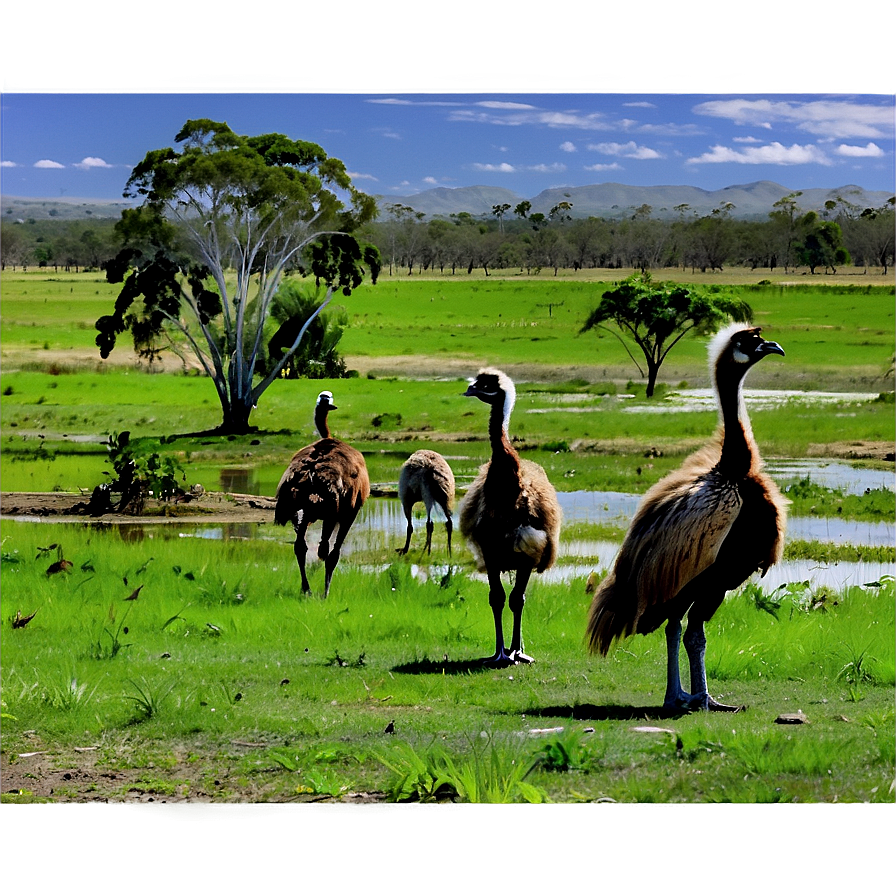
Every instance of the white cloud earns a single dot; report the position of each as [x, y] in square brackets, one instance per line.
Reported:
[747, 140]
[871, 151]
[630, 150]
[613, 166]
[640, 105]
[500, 104]
[769, 154]
[357, 175]
[507, 168]
[48, 163]
[530, 116]
[8, 165]
[92, 162]
[568, 146]
[834, 119]
[396, 101]
[503, 168]
[431, 180]
[670, 129]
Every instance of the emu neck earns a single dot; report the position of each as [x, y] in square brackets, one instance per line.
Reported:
[503, 455]
[737, 439]
[320, 420]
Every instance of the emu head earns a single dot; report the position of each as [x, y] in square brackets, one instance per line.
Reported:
[495, 388]
[739, 347]
[325, 402]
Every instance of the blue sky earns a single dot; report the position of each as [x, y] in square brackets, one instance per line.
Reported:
[413, 97]
[83, 145]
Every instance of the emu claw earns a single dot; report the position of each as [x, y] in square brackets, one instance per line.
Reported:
[499, 659]
[684, 702]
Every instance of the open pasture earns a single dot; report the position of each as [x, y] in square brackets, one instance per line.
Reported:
[840, 334]
[220, 682]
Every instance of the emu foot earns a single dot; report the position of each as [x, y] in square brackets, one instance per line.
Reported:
[684, 702]
[498, 660]
[519, 657]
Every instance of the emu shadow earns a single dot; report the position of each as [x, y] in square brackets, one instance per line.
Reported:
[442, 667]
[589, 712]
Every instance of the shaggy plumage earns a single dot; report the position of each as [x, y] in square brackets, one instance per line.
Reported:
[425, 476]
[698, 533]
[510, 517]
[326, 481]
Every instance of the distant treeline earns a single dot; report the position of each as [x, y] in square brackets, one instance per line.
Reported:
[839, 236]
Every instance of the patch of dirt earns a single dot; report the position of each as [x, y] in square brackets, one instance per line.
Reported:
[885, 451]
[81, 775]
[211, 507]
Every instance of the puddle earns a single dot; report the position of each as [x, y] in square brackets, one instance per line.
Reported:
[756, 399]
[852, 480]
[689, 400]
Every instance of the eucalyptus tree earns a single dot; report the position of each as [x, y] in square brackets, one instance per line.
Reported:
[657, 316]
[221, 221]
[785, 216]
[499, 211]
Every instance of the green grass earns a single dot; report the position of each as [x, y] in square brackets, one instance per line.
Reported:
[221, 682]
[220, 649]
[46, 416]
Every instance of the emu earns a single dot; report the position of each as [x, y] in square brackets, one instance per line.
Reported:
[326, 481]
[510, 517]
[425, 476]
[701, 531]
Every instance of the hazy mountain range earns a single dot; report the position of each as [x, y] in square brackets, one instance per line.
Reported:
[608, 200]
[611, 200]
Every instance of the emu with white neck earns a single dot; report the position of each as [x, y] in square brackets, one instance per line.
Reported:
[697, 534]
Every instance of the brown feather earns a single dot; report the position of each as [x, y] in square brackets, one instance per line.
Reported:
[717, 512]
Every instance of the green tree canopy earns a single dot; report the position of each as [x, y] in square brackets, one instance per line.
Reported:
[222, 219]
[822, 244]
[656, 316]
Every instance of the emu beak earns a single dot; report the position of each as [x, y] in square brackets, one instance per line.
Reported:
[471, 391]
[770, 348]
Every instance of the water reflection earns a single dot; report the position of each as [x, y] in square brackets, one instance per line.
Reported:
[238, 480]
[756, 399]
[832, 474]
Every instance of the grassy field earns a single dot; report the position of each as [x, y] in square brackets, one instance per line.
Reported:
[179, 696]
[837, 332]
[220, 683]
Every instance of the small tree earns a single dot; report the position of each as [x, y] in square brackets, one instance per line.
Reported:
[822, 244]
[656, 316]
[221, 222]
[317, 356]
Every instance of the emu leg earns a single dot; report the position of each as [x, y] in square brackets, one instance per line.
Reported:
[695, 645]
[333, 557]
[516, 602]
[300, 548]
[429, 528]
[407, 541]
[449, 526]
[675, 697]
[496, 598]
[407, 505]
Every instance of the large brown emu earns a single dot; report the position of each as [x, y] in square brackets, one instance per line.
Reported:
[326, 481]
[510, 517]
[698, 533]
[425, 476]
